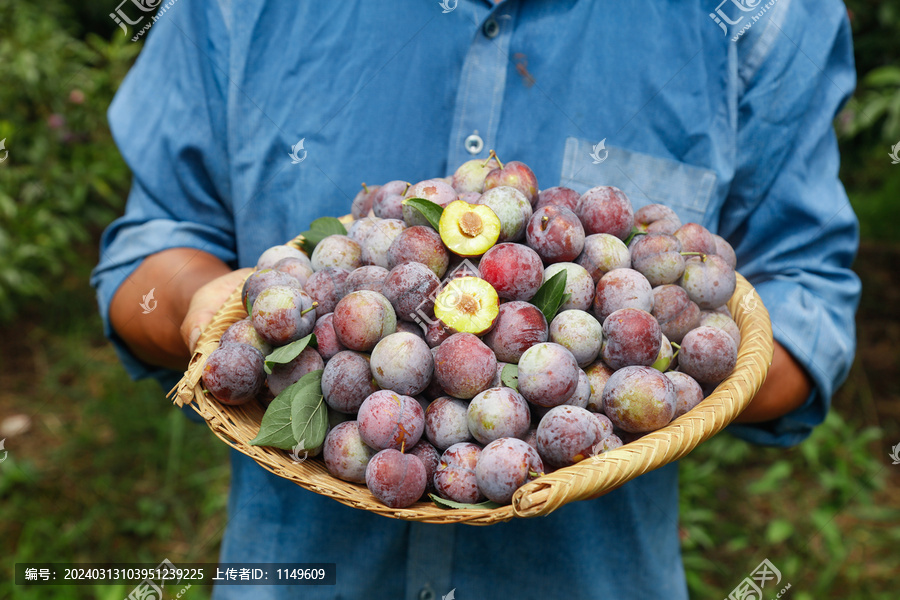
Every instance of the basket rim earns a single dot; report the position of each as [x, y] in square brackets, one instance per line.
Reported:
[590, 478]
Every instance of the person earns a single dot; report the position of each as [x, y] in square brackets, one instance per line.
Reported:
[735, 135]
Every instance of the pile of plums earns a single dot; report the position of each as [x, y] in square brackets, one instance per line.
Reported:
[441, 368]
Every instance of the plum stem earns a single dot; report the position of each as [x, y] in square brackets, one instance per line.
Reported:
[495, 157]
[634, 233]
[313, 307]
[408, 185]
[365, 187]
[702, 255]
[544, 221]
[677, 349]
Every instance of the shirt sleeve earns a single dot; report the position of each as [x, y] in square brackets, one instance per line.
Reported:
[787, 214]
[168, 120]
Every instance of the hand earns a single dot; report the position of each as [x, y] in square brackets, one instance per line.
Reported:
[206, 301]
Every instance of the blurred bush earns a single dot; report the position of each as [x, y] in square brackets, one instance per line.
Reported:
[877, 102]
[63, 179]
[874, 112]
[869, 126]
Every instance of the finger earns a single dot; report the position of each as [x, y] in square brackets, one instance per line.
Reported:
[243, 273]
[192, 339]
[194, 324]
[206, 303]
[238, 277]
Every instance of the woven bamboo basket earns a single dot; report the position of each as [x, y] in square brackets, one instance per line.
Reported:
[591, 478]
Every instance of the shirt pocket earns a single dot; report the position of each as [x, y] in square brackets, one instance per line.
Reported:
[645, 179]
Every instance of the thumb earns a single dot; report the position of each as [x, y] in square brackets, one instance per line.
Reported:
[206, 302]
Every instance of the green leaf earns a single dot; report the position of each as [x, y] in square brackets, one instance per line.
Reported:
[509, 376]
[883, 76]
[299, 409]
[429, 209]
[286, 354]
[309, 415]
[275, 429]
[549, 296]
[778, 531]
[773, 479]
[443, 503]
[320, 229]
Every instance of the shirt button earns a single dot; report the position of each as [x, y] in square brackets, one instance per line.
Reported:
[474, 144]
[426, 594]
[491, 29]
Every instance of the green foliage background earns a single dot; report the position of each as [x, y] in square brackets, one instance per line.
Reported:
[63, 180]
[141, 484]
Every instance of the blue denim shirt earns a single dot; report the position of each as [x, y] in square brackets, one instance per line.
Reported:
[728, 121]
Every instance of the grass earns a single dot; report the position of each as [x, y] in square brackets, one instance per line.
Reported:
[111, 472]
[811, 511]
